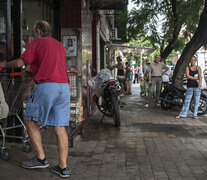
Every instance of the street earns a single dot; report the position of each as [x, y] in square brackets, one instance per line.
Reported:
[150, 144]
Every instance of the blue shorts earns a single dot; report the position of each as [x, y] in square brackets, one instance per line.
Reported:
[49, 104]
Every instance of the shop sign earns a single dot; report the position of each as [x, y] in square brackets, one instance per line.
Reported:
[70, 44]
[2, 25]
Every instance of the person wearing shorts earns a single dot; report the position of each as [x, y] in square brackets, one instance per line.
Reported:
[49, 102]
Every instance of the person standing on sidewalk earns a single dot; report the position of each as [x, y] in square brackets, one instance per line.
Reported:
[120, 74]
[49, 103]
[146, 77]
[166, 75]
[128, 78]
[194, 83]
[155, 79]
[136, 75]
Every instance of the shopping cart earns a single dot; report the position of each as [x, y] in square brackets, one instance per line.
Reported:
[76, 111]
[13, 85]
[74, 91]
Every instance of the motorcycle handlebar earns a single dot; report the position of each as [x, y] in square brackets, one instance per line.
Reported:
[111, 68]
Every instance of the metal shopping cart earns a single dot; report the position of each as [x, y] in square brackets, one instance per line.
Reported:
[75, 107]
[74, 91]
[13, 88]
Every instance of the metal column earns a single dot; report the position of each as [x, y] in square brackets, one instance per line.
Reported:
[17, 14]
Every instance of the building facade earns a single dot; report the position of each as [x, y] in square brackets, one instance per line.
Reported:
[85, 27]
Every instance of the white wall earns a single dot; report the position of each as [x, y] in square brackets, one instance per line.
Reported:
[202, 59]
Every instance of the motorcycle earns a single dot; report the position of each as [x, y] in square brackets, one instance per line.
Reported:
[107, 95]
[173, 95]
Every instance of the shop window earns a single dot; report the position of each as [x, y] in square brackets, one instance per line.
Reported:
[34, 10]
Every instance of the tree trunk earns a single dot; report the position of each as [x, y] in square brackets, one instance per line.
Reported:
[199, 39]
[164, 54]
[169, 47]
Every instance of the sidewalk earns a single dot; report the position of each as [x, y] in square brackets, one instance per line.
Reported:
[150, 144]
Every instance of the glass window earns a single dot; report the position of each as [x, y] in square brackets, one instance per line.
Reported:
[44, 9]
[32, 10]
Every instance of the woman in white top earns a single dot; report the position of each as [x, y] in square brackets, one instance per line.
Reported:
[165, 75]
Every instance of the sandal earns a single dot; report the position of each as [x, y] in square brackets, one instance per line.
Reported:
[179, 117]
[195, 117]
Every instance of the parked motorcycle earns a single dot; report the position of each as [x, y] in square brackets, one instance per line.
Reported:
[107, 99]
[173, 95]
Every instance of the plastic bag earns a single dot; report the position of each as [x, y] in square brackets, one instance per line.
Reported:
[97, 81]
[4, 109]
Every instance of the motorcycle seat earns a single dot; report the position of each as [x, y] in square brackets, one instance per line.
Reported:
[180, 88]
[204, 93]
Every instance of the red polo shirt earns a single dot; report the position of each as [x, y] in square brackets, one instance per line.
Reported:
[48, 60]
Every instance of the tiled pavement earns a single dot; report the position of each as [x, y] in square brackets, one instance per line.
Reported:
[150, 144]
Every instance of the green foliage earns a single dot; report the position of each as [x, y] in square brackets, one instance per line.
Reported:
[180, 43]
[140, 40]
[121, 17]
[133, 56]
[137, 43]
[157, 20]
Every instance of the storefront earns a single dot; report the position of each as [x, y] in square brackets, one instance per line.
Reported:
[17, 18]
[83, 26]
[78, 24]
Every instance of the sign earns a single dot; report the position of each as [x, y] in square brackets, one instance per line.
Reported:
[70, 44]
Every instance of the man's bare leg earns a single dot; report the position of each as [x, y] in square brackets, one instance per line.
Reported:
[35, 137]
[62, 139]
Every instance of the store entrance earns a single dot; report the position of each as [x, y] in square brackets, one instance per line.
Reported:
[17, 18]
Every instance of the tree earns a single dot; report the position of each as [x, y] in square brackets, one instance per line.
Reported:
[199, 39]
[170, 15]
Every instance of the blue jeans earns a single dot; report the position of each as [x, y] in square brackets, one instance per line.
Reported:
[191, 92]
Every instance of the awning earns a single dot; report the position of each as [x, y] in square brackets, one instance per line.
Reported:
[135, 49]
[108, 4]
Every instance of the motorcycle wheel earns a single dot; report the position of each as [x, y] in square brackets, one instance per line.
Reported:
[165, 105]
[116, 110]
[101, 104]
[202, 108]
